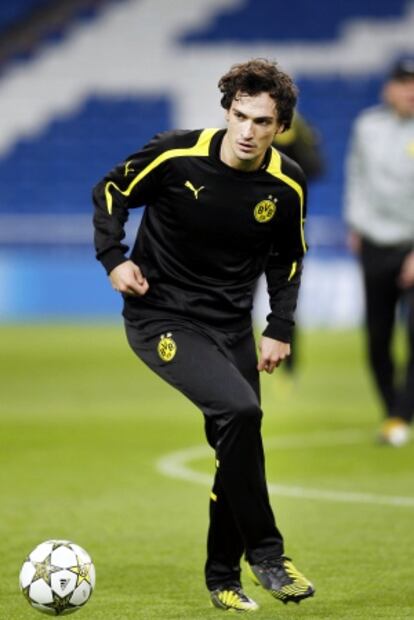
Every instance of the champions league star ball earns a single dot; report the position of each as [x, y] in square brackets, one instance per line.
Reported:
[58, 577]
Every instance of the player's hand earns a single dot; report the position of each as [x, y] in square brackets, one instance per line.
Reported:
[127, 278]
[406, 277]
[272, 354]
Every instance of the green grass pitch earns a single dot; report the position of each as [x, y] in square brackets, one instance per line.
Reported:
[84, 424]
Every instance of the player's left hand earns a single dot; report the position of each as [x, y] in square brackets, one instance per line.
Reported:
[272, 353]
[406, 277]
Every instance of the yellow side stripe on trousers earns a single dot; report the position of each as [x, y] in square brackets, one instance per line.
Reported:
[293, 270]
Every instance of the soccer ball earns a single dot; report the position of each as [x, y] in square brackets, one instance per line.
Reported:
[58, 577]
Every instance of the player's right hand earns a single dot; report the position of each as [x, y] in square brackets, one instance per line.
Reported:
[127, 278]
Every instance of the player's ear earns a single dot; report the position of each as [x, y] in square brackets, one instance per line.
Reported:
[280, 129]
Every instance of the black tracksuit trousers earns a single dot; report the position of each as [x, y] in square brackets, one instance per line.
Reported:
[216, 370]
[381, 266]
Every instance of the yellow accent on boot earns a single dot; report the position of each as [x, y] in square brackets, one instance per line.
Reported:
[282, 579]
[395, 432]
[233, 599]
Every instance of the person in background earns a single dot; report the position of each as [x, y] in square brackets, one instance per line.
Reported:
[302, 144]
[379, 210]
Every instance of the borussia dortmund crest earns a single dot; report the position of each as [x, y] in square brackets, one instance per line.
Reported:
[166, 347]
[265, 210]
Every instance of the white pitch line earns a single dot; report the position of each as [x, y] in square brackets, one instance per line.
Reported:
[177, 465]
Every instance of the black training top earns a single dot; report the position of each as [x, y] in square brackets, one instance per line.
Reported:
[208, 231]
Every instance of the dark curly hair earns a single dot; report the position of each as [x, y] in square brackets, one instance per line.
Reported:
[257, 76]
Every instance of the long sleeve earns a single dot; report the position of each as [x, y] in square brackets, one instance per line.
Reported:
[283, 282]
[284, 267]
[130, 184]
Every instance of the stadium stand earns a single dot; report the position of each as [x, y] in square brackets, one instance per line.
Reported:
[54, 174]
[27, 24]
[11, 13]
[105, 99]
[292, 21]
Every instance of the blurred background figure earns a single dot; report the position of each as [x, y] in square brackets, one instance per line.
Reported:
[302, 143]
[380, 215]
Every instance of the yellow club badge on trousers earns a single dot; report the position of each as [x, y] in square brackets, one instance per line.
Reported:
[167, 347]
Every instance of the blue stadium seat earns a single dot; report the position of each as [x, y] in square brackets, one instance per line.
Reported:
[282, 21]
[55, 172]
[16, 10]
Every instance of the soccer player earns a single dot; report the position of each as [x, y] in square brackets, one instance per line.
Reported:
[222, 207]
[380, 215]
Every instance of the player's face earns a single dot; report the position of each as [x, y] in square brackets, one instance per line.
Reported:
[400, 95]
[252, 123]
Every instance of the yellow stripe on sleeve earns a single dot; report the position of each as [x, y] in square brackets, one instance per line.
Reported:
[201, 148]
[275, 169]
